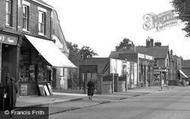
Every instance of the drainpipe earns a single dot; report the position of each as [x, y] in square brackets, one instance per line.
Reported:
[17, 15]
[113, 83]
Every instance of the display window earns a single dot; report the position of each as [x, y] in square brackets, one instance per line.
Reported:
[33, 69]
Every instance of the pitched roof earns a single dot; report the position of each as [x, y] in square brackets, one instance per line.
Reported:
[116, 54]
[43, 3]
[186, 63]
[156, 51]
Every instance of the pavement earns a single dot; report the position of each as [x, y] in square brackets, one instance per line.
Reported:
[62, 102]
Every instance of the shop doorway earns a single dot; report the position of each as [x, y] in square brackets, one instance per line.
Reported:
[9, 62]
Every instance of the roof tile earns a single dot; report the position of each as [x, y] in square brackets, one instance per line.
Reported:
[156, 51]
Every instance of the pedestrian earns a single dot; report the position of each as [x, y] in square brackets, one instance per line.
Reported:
[12, 90]
[91, 89]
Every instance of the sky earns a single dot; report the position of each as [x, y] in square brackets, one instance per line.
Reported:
[102, 24]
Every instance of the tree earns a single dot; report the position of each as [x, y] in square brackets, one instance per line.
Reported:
[86, 52]
[182, 7]
[76, 54]
[125, 44]
[73, 51]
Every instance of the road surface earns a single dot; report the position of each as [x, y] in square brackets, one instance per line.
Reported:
[171, 104]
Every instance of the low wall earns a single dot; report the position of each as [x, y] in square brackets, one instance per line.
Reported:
[121, 86]
[106, 87]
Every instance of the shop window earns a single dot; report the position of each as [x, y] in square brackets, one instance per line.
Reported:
[42, 21]
[124, 70]
[9, 12]
[26, 16]
[64, 72]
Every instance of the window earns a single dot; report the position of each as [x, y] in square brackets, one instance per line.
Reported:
[25, 17]
[9, 12]
[42, 22]
[62, 72]
[124, 70]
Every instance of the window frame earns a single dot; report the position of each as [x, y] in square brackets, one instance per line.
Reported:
[26, 16]
[9, 12]
[42, 21]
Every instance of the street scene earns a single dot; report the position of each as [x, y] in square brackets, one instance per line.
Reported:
[94, 59]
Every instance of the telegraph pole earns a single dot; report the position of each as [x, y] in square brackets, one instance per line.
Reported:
[113, 83]
[126, 82]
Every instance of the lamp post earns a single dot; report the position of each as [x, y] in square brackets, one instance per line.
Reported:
[161, 78]
[126, 74]
[113, 83]
[126, 81]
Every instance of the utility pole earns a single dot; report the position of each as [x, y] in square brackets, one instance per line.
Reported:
[126, 81]
[113, 83]
[161, 79]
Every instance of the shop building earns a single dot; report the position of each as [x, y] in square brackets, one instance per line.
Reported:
[28, 51]
[144, 65]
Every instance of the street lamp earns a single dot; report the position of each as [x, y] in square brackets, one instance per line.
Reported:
[161, 78]
[126, 81]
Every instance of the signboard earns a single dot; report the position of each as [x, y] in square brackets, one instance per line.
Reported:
[6, 39]
[88, 68]
[24, 89]
[160, 70]
[50, 88]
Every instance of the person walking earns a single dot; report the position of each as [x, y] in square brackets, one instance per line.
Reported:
[91, 88]
[11, 90]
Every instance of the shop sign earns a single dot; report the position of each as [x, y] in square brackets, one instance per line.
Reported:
[6, 39]
[160, 70]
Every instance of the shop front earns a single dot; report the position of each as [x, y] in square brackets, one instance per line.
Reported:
[8, 57]
[38, 60]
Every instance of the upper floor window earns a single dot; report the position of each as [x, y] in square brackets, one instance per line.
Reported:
[42, 21]
[9, 12]
[25, 17]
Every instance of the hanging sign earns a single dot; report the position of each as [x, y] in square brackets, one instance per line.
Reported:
[6, 39]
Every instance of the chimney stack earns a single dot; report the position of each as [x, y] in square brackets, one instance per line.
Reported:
[149, 42]
[159, 44]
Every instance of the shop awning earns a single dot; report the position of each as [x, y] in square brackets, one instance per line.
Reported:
[50, 52]
[183, 74]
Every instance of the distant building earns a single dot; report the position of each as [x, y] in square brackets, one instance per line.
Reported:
[186, 68]
[175, 66]
[164, 60]
[144, 65]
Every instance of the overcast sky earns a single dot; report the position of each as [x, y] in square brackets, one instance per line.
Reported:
[102, 24]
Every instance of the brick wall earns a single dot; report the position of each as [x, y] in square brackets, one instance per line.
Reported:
[99, 62]
[3, 17]
[33, 18]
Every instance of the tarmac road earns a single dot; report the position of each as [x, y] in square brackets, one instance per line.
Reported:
[171, 104]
